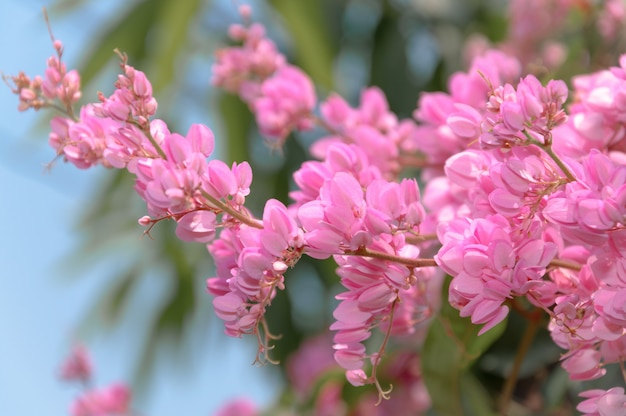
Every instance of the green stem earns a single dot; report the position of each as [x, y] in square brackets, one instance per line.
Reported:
[527, 339]
[548, 149]
[559, 162]
[232, 212]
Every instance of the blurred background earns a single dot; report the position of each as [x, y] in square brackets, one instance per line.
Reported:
[75, 265]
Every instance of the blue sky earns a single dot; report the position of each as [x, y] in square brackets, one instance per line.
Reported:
[39, 307]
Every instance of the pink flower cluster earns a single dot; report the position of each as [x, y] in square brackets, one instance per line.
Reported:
[468, 91]
[517, 218]
[56, 84]
[113, 400]
[281, 96]
[596, 117]
[251, 261]
[526, 197]
[371, 127]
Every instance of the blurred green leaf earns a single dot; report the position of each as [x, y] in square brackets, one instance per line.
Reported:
[390, 65]
[237, 121]
[129, 35]
[172, 24]
[308, 28]
[451, 346]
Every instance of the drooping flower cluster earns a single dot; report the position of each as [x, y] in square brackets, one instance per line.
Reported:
[112, 400]
[281, 96]
[251, 261]
[519, 219]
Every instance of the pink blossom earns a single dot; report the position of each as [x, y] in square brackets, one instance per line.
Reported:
[285, 103]
[450, 122]
[238, 407]
[598, 402]
[610, 305]
[251, 262]
[528, 108]
[586, 209]
[83, 143]
[583, 364]
[77, 365]
[596, 117]
[488, 266]
[373, 111]
[113, 400]
[131, 101]
[371, 127]
[241, 69]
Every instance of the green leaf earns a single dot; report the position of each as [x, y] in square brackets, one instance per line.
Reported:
[451, 346]
[307, 26]
[172, 25]
[128, 35]
[237, 121]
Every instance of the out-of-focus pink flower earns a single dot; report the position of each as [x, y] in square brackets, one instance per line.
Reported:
[238, 407]
[77, 366]
[310, 361]
[113, 400]
[285, 103]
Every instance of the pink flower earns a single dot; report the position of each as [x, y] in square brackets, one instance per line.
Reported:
[77, 366]
[488, 266]
[583, 364]
[113, 400]
[610, 402]
[312, 359]
[285, 103]
[241, 69]
[83, 143]
[528, 108]
[339, 157]
[131, 101]
[238, 407]
[596, 118]
[610, 305]
[251, 262]
[586, 209]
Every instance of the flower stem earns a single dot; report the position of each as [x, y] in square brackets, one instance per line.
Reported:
[365, 252]
[565, 264]
[232, 212]
[527, 339]
[416, 239]
[548, 149]
[559, 162]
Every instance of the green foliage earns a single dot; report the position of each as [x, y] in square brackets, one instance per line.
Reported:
[307, 25]
[451, 347]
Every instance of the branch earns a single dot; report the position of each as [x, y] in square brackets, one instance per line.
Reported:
[365, 252]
